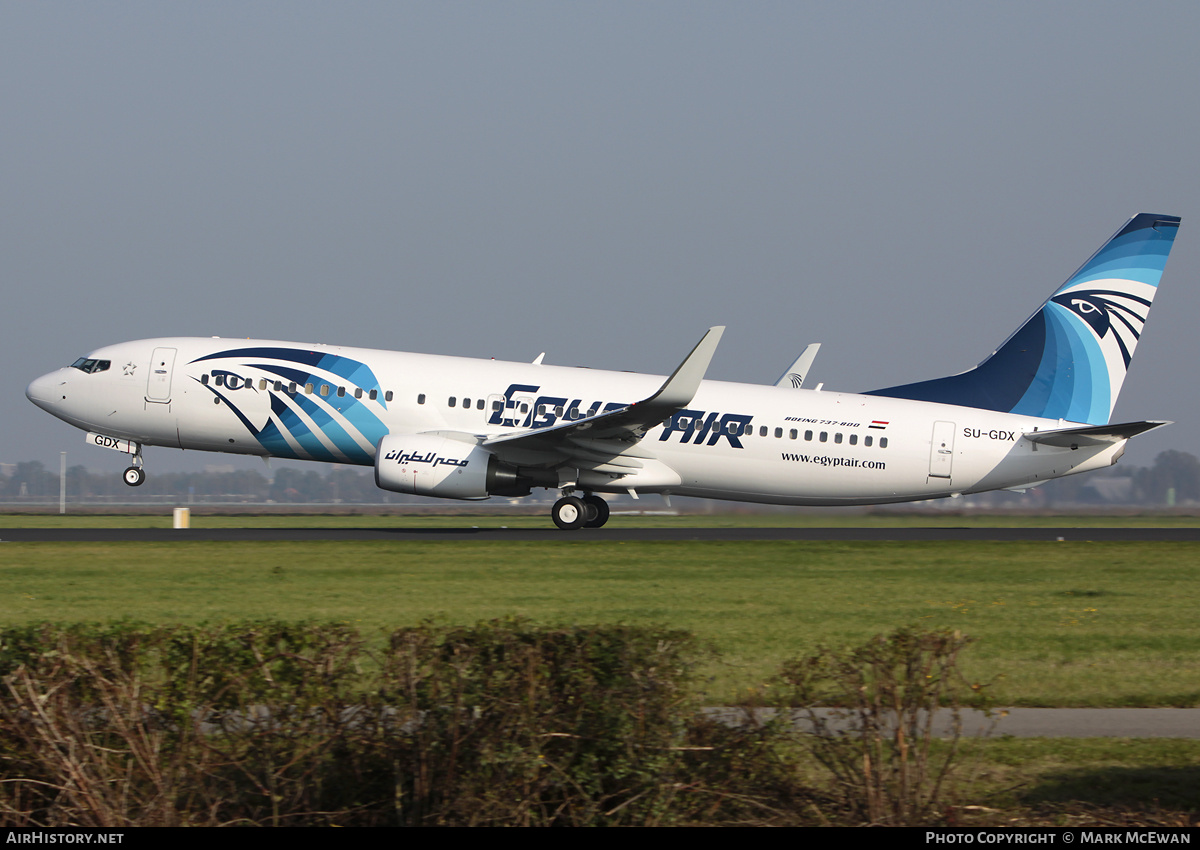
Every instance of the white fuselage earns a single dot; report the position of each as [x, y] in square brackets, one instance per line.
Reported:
[740, 442]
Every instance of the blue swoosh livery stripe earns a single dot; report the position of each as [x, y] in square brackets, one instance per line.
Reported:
[285, 423]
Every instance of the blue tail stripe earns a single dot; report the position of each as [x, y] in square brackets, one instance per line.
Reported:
[1138, 252]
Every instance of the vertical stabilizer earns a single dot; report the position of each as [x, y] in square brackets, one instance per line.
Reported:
[1069, 359]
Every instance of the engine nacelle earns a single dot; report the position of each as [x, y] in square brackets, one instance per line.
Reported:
[431, 465]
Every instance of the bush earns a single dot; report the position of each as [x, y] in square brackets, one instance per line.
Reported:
[286, 724]
[878, 740]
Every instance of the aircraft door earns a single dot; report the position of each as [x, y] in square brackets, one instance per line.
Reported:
[158, 383]
[941, 451]
[521, 410]
[495, 410]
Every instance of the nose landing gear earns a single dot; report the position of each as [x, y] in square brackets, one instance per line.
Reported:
[135, 475]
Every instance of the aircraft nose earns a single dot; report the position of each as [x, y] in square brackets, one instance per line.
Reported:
[43, 391]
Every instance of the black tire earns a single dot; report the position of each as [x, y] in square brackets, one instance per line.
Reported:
[597, 511]
[134, 476]
[569, 513]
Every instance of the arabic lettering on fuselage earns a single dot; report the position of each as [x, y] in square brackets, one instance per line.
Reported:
[430, 458]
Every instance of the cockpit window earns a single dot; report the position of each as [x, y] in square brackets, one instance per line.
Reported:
[85, 364]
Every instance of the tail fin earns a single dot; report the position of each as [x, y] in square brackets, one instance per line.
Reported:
[1069, 359]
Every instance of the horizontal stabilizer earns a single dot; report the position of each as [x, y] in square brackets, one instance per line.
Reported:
[1092, 435]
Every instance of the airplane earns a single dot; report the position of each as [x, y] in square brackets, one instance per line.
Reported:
[1035, 409]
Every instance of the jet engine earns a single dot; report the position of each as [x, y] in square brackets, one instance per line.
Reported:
[433, 465]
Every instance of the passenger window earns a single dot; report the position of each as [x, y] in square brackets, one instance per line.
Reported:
[341, 392]
[308, 388]
[792, 434]
[466, 404]
[479, 404]
[219, 381]
[204, 379]
[883, 442]
[453, 401]
[808, 436]
[854, 439]
[778, 433]
[497, 405]
[824, 436]
[762, 431]
[421, 398]
[867, 440]
[292, 387]
[558, 411]
[279, 386]
[387, 396]
[837, 438]
[262, 383]
[358, 392]
[325, 389]
[373, 394]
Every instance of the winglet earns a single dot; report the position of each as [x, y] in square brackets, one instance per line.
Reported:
[679, 389]
[795, 374]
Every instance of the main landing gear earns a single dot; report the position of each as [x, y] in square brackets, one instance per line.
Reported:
[572, 512]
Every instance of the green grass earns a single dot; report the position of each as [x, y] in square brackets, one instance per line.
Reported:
[1067, 774]
[1057, 623]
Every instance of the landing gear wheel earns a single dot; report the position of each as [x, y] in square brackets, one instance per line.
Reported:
[569, 513]
[597, 511]
[134, 476]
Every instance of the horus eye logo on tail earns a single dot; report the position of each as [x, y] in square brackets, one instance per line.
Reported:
[1109, 310]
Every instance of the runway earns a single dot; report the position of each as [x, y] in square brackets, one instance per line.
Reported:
[613, 533]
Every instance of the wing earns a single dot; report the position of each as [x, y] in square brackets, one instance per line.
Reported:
[606, 442]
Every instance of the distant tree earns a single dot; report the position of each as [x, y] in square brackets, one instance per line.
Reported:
[31, 479]
[292, 485]
[1171, 469]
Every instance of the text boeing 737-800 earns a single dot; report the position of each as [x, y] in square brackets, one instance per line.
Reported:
[1038, 408]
